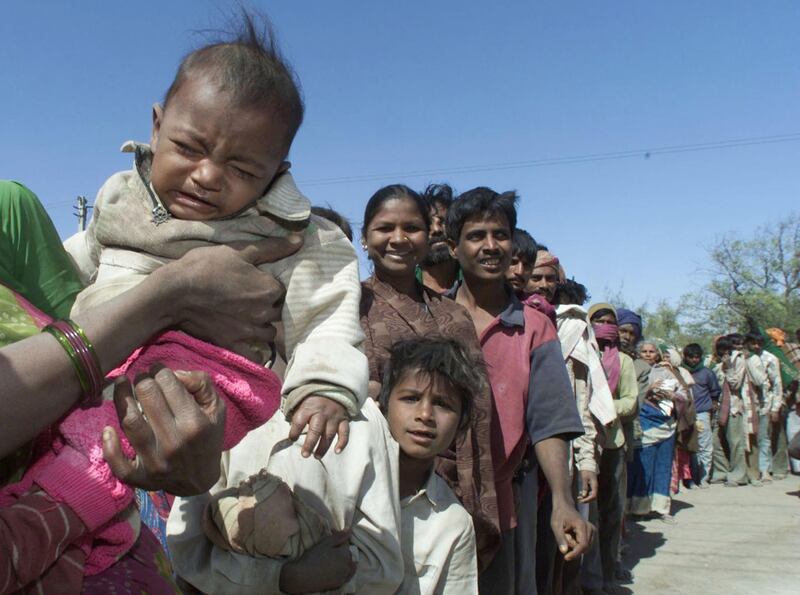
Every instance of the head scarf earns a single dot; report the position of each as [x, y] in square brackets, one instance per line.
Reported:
[609, 334]
[625, 316]
[601, 306]
[777, 335]
[547, 259]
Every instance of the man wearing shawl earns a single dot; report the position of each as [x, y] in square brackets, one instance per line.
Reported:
[612, 478]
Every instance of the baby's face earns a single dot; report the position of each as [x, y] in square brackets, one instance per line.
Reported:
[211, 158]
[423, 414]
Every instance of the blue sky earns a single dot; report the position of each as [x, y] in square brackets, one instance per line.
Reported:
[396, 88]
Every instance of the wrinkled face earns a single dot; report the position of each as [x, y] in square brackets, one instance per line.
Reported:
[211, 159]
[649, 353]
[692, 360]
[543, 281]
[627, 335]
[484, 248]
[423, 412]
[519, 272]
[396, 239]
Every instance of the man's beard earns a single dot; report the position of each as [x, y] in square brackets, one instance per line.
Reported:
[437, 255]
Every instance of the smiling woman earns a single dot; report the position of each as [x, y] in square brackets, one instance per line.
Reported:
[396, 307]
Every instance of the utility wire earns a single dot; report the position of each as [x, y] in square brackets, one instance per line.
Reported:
[646, 153]
[543, 162]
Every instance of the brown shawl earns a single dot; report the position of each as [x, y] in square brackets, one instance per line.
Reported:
[388, 316]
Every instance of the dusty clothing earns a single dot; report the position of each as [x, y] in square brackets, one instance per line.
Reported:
[263, 517]
[124, 243]
[387, 317]
[356, 489]
[438, 543]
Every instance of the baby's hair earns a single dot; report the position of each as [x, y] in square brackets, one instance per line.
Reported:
[480, 202]
[394, 191]
[524, 247]
[434, 356]
[571, 292]
[335, 218]
[248, 66]
[693, 350]
[439, 194]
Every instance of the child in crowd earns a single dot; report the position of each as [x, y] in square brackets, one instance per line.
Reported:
[216, 173]
[285, 525]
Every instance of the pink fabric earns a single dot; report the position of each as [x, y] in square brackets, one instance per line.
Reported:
[609, 334]
[71, 467]
[536, 301]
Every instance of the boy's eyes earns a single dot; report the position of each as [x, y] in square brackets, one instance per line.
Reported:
[184, 148]
[245, 175]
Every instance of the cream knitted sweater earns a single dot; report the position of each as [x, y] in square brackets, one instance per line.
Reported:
[123, 244]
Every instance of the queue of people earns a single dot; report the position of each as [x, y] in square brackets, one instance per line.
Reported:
[201, 395]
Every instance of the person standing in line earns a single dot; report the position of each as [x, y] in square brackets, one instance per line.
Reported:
[720, 461]
[745, 375]
[532, 400]
[706, 393]
[613, 466]
[439, 270]
[772, 401]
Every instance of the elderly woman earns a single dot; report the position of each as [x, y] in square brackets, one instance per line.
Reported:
[650, 472]
[395, 307]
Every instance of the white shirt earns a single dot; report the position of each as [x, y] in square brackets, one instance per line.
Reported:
[774, 386]
[357, 488]
[438, 543]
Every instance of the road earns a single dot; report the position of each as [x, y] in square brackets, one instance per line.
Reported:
[727, 541]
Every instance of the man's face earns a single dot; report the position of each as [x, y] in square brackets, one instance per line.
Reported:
[738, 345]
[543, 281]
[755, 347]
[438, 251]
[212, 158]
[692, 360]
[519, 272]
[627, 335]
[484, 248]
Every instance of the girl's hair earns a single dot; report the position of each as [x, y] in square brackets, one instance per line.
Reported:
[249, 67]
[432, 357]
[390, 192]
[480, 202]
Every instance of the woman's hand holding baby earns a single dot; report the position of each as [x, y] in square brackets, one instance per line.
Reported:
[223, 298]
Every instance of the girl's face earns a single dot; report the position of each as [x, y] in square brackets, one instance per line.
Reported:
[396, 239]
[649, 353]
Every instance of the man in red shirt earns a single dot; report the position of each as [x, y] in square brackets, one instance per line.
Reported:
[532, 402]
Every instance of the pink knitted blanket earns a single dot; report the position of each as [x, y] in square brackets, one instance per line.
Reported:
[71, 467]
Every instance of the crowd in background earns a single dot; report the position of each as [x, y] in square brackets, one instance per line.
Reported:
[201, 393]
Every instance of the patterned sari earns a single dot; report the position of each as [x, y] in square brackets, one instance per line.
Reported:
[388, 316]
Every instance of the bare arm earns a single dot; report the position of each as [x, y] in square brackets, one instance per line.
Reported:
[211, 292]
[572, 533]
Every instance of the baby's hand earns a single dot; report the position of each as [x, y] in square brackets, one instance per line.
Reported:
[325, 419]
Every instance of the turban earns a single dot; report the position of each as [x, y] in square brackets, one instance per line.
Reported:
[777, 335]
[625, 316]
[546, 259]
